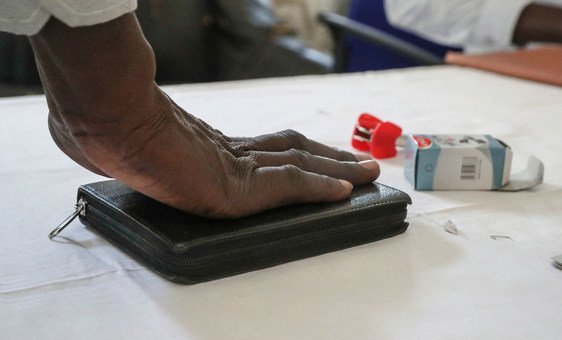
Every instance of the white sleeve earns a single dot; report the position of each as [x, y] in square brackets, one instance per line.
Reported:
[29, 16]
[475, 25]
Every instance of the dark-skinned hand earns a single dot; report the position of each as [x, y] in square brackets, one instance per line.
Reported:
[108, 114]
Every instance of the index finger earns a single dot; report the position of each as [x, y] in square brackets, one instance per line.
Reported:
[290, 139]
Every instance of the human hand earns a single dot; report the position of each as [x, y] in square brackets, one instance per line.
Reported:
[107, 113]
[179, 160]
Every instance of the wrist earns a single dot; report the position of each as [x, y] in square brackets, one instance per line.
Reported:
[118, 137]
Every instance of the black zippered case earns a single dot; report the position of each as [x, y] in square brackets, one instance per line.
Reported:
[188, 249]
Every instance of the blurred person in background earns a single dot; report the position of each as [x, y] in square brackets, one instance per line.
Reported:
[471, 26]
[479, 26]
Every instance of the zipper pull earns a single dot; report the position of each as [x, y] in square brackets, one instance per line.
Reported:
[80, 210]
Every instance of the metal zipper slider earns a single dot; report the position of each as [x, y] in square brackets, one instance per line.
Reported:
[80, 210]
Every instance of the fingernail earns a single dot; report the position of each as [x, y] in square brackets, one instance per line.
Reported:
[371, 164]
[363, 157]
[346, 184]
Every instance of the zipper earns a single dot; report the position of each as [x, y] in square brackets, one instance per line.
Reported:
[143, 245]
[238, 253]
[79, 209]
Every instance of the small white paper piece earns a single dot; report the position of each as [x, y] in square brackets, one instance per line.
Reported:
[498, 237]
[451, 228]
[531, 176]
[557, 261]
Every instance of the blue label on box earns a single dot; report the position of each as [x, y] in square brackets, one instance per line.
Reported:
[425, 170]
[455, 162]
[497, 151]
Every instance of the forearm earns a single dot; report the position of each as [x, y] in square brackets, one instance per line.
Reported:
[539, 23]
[99, 83]
[87, 68]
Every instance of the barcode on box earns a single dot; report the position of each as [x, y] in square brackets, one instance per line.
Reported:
[468, 168]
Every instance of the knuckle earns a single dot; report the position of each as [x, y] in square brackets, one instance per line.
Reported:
[293, 173]
[300, 159]
[248, 161]
[239, 149]
[296, 139]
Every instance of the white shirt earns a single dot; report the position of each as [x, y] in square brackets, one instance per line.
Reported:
[477, 26]
[29, 16]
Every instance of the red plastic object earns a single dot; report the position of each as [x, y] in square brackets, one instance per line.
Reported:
[378, 137]
[362, 131]
[368, 121]
[383, 140]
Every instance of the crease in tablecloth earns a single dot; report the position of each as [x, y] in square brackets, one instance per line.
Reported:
[8, 293]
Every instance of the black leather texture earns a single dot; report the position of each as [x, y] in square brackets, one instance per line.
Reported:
[185, 248]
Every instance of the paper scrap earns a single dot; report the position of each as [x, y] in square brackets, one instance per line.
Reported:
[557, 261]
[451, 228]
[495, 237]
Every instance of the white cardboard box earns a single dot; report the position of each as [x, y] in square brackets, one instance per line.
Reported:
[457, 162]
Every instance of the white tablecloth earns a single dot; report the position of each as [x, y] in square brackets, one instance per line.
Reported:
[425, 283]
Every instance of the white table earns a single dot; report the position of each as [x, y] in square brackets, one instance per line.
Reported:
[425, 283]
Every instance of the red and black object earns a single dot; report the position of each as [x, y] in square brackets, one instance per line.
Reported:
[376, 136]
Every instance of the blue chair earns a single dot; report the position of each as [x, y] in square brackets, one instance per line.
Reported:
[366, 41]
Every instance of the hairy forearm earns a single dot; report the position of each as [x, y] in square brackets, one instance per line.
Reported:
[539, 23]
